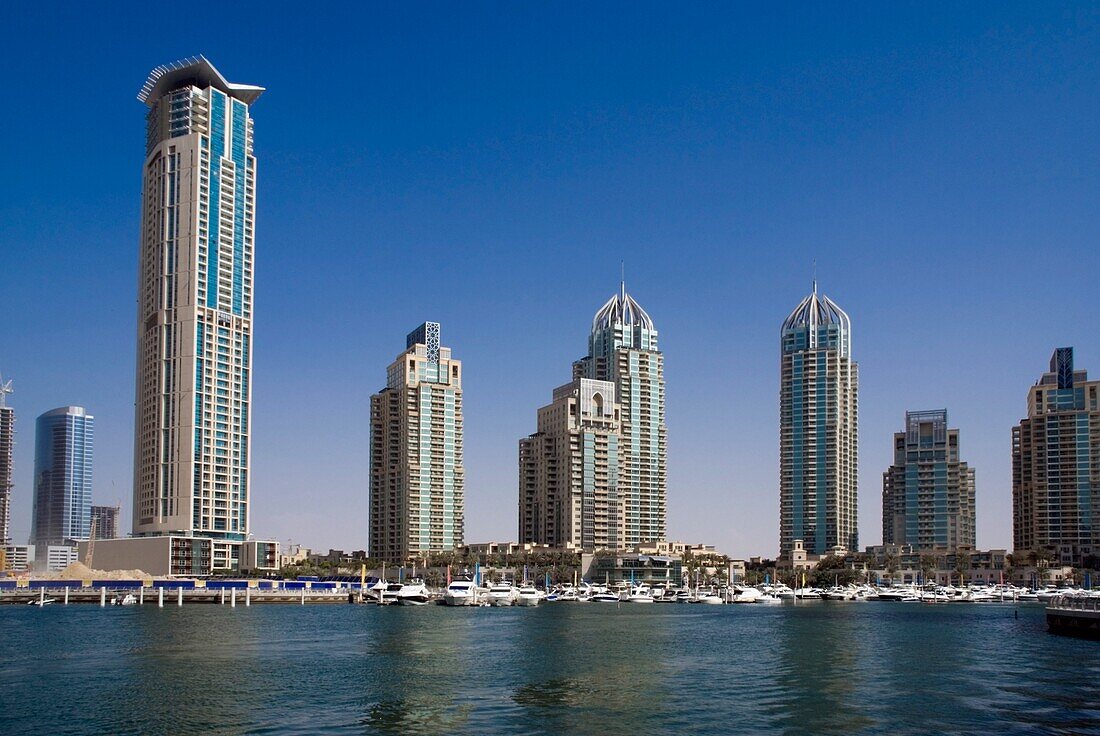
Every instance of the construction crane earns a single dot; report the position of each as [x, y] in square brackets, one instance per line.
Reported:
[91, 542]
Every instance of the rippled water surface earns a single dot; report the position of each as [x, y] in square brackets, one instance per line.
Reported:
[814, 667]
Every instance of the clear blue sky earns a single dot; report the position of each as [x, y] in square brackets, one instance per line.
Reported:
[488, 166]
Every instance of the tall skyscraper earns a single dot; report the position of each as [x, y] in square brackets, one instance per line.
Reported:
[7, 448]
[1056, 466]
[63, 442]
[817, 428]
[622, 349]
[569, 470]
[928, 493]
[417, 479]
[194, 323]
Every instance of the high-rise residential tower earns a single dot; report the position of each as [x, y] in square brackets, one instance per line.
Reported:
[194, 323]
[62, 476]
[622, 350]
[569, 470]
[1056, 466]
[928, 493]
[7, 448]
[817, 428]
[417, 478]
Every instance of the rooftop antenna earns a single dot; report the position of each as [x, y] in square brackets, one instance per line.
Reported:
[815, 275]
[622, 280]
[5, 389]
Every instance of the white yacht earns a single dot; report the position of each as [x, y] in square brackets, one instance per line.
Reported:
[768, 599]
[567, 594]
[501, 594]
[414, 594]
[896, 593]
[460, 593]
[639, 594]
[708, 597]
[528, 595]
[745, 594]
[603, 595]
[683, 596]
[128, 600]
[384, 593]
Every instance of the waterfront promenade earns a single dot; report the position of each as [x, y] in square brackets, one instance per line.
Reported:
[811, 668]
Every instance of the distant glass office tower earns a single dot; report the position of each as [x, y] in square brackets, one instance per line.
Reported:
[417, 478]
[7, 448]
[569, 470]
[62, 476]
[622, 349]
[928, 493]
[817, 428]
[1056, 466]
[194, 324]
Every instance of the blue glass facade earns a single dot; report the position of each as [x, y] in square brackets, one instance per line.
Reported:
[623, 349]
[928, 493]
[62, 476]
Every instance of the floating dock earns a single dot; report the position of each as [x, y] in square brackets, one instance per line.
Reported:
[175, 592]
[1074, 615]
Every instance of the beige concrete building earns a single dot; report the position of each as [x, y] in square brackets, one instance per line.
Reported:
[569, 470]
[7, 448]
[184, 556]
[193, 403]
[417, 478]
[1056, 467]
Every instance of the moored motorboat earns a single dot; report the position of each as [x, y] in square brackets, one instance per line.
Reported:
[501, 594]
[528, 595]
[460, 593]
[745, 594]
[413, 594]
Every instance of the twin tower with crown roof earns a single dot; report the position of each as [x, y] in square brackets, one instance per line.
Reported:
[594, 475]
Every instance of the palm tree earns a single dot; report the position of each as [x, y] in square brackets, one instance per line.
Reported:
[927, 565]
[891, 566]
[962, 562]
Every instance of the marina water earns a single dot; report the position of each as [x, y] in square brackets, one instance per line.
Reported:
[805, 668]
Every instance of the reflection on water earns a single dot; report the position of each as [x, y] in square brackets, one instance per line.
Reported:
[815, 667]
[819, 671]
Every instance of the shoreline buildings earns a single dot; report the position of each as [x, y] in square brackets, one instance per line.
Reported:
[417, 476]
[595, 474]
[928, 493]
[817, 428]
[193, 403]
[62, 509]
[1056, 466]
